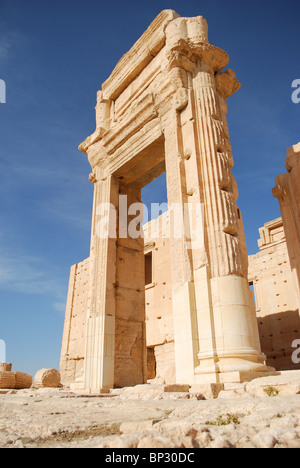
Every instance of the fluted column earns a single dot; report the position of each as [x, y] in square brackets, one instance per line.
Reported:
[222, 314]
[236, 340]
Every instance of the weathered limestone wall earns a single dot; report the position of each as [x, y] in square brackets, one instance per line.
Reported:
[277, 298]
[73, 345]
[129, 291]
[159, 310]
[287, 190]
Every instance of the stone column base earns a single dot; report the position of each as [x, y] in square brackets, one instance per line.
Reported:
[78, 387]
[232, 377]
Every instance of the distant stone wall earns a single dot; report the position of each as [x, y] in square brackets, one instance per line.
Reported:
[73, 346]
[159, 310]
[276, 294]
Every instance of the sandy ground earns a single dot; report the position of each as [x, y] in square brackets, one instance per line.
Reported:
[59, 419]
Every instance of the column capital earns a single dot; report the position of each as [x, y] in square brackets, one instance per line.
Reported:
[187, 43]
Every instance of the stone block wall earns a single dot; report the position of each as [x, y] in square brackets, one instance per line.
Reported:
[73, 346]
[276, 294]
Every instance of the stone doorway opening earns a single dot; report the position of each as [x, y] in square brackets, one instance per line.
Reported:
[129, 339]
[158, 284]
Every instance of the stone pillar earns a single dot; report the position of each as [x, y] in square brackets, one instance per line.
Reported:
[214, 315]
[100, 323]
[115, 350]
[183, 293]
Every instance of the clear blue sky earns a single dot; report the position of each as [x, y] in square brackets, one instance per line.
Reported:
[54, 56]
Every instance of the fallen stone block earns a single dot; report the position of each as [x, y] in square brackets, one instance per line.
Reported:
[5, 367]
[15, 380]
[47, 378]
[176, 388]
[22, 381]
[7, 380]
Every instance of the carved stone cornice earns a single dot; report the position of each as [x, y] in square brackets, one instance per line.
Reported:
[94, 138]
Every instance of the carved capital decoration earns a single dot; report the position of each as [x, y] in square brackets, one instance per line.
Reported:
[227, 83]
[93, 178]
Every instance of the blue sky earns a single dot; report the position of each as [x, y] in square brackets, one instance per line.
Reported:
[54, 57]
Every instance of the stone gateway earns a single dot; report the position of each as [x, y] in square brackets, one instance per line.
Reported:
[163, 109]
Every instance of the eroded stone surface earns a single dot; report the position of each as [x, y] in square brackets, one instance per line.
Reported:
[57, 418]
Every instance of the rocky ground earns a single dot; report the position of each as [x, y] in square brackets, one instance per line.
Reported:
[241, 417]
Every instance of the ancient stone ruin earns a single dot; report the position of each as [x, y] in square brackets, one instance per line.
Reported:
[47, 378]
[165, 305]
[13, 380]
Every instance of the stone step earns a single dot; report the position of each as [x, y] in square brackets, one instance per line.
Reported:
[156, 389]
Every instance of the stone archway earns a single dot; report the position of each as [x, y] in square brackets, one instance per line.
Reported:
[164, 108]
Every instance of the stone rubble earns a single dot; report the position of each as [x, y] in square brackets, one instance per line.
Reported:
[13, 380]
